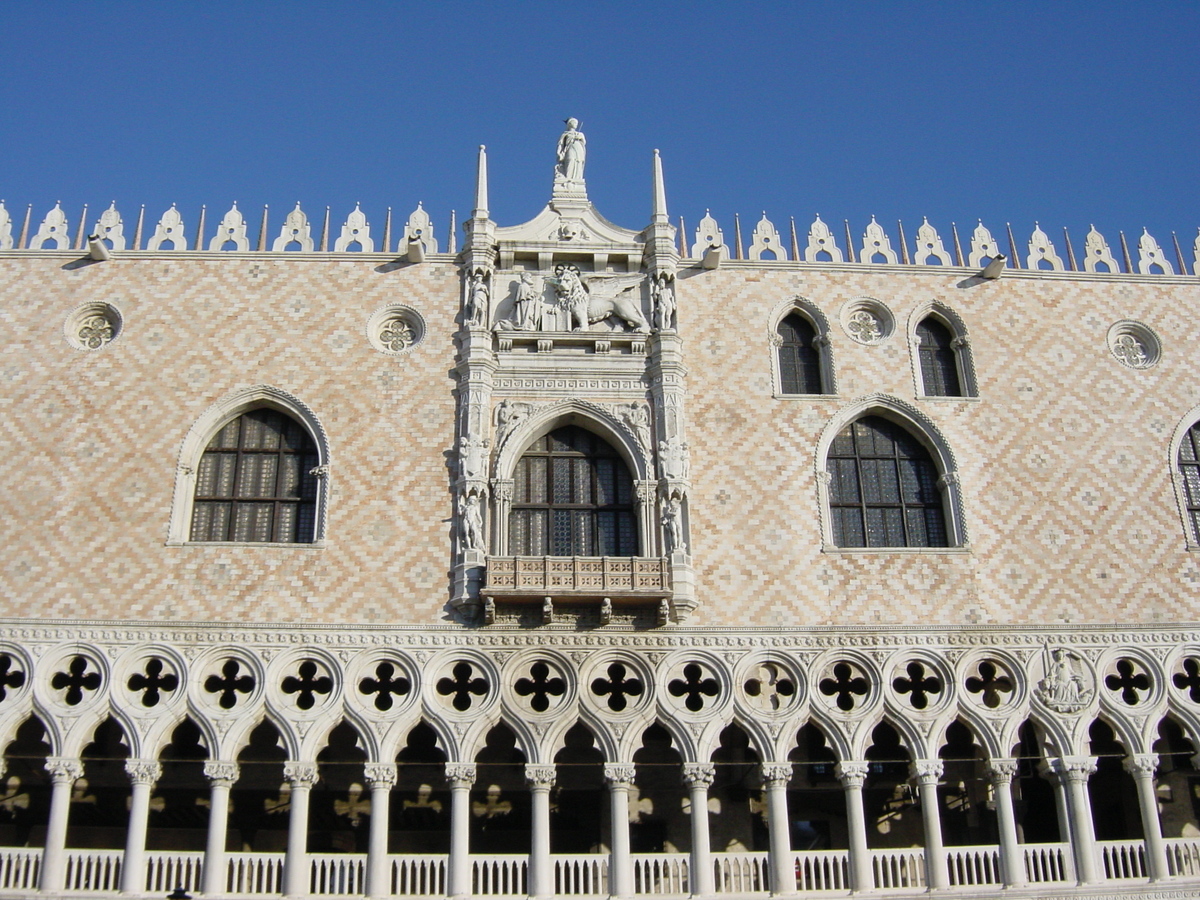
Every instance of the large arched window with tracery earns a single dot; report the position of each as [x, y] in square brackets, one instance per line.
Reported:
[255, 482]
[572, 496]
[883, 489]
[1189, 468]
[799, 357]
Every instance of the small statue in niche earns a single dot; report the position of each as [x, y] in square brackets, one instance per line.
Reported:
[471, 456]
[1063, 689]
[672, 520]
[527, 310]
[477, 299]
[664, 304]
[510, 414]
[572, 154]
[672, 457]
[637, 417]
[471, 521]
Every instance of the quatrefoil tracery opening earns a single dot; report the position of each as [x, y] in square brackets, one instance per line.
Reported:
[617, 687]
[991, 684]
[917, 685]
[460, 686]
[1189, 679]
[152, 683]
[229, 684]
[9, 676]
[384, 685]
[770, 688]
[694, 686]
[540, 687]
[1128, 683]
[76, 680]
[306, 684]
[844, 686]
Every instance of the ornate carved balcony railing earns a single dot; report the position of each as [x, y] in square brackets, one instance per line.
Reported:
[623, 579]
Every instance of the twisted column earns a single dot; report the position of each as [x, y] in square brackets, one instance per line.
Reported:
[221, 775]
[927, 772]
[1142, 766]
[775, 777]
[63, 774]
[853, 774]
[143, 773]
[1001, 772]
[301, 776]
[619, 778]
[380, 778]
[698, 777]
[460, 776]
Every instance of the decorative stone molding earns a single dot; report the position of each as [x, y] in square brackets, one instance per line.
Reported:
[1151, 255]
[419, 230]
[108, 227]
[708, 235]
[1096, 251]
[867, 321]
[983, 247]
[295, 230]
[169, 228]
[697, 775]
[357, 230]
[6, 235]
[53, 228]
[1041, 249]
[821, 240]
[876, 243]
[766, 240]
[93, 326]
[232, 228]
[928, 244]
[1134, 345]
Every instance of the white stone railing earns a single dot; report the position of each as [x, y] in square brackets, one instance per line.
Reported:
[20, 868]
[418, 874]
[902, 869]
[254, 873]
[1183, 857]
[1046, 863]
[1123, 859]
[337, 873]
[93, 870]
[823, 870]
[500, 874]
[660, 873]
[972, 865]
[740, 873]
[170, 869]
[580, 873]
[578, 576]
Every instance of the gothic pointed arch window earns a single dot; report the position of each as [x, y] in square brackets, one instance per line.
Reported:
[1189, 472]
[799, 356]
[255, 482]
[884, 488]
[938, 355]
[572, 496]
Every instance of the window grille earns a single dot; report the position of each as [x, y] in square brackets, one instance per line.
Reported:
[1189, 468]
[572, 496]
[255, 482]
[939, 360]
[883, 488]
[799, 357]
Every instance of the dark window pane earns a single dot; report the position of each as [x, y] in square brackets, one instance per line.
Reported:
[562, 480]
[799, 359]
[939, 363]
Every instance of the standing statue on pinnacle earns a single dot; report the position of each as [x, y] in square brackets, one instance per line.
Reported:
[572, 153]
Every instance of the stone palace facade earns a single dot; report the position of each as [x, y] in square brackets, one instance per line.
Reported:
[564, 559]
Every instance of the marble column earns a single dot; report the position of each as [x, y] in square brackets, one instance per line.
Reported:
[63, 774]
[619, 778]
[143, 773]
[1075, 771]
[1001, 772]
[460, 776]
[540, 779]
[927, 772]
[698, 777]
[380, 778]
[221, 775]
[1142, 766]
[296, 878]
[775, 778]
[853, 774]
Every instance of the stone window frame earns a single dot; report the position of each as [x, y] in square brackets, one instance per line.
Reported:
[930, 437]
[1186, 424]
[805, 308]
[201, 434]
[960, 341]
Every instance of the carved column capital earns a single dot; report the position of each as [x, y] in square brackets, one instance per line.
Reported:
[1142, 764]
[300, 774]
[143, 771]
[502, 489]
[947, 480]
[927, 771]
[64, 769]
[852, 773]
[1073, 768]
[539, 777]
[380, 775]
[460, 774]
[776, 774]
[619, 774]
[698, 775]
[1001, 770]
[221, 772]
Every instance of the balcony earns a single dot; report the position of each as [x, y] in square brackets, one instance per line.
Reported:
[625, 580]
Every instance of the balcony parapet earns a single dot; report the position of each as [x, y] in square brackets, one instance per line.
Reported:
[625, 580]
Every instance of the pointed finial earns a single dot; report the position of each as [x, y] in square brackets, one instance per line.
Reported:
[659, 212]
[481, 186]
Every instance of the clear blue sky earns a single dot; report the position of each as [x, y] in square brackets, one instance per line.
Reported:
[1064, 112]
